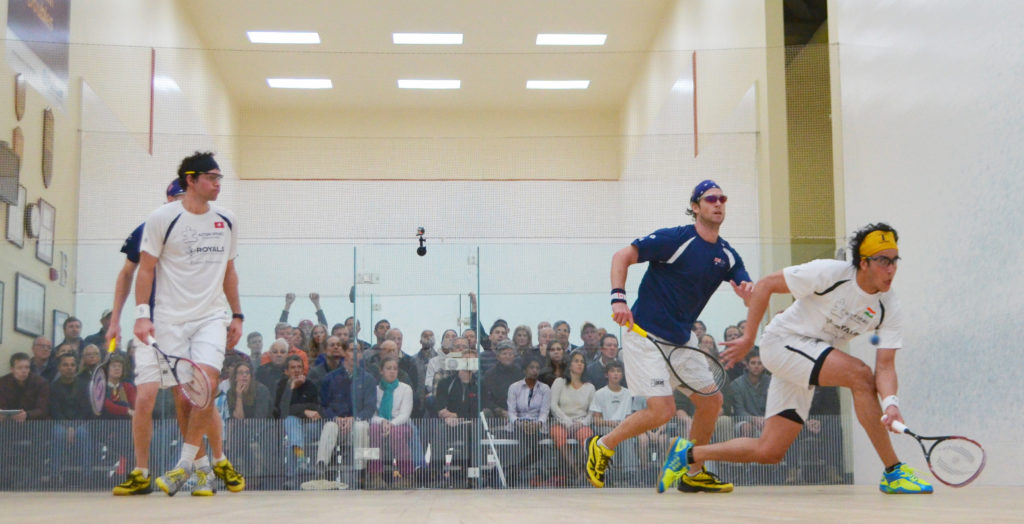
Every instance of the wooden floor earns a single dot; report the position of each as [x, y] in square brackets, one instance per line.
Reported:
[621, 506]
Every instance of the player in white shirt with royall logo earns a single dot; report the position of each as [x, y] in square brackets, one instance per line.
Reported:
[835, 302]
[190, 246]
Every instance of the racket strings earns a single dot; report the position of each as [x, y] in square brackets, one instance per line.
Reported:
[957, 460]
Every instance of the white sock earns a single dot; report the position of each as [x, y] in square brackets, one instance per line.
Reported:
[600, 442]
[188, 456]
[693, 472]
[218, 460]
[143, 471]
[203, 463]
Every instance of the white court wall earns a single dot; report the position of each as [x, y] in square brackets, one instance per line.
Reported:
[545, 245]
[930, 139]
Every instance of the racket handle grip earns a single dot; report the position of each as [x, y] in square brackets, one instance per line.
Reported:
[897, 425]
[150, 340]
[113, 345]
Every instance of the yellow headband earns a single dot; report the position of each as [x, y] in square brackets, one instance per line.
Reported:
[877, 241]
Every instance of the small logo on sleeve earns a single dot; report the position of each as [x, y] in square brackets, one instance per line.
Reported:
[218, 225]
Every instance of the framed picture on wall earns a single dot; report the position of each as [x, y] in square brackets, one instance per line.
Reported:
[2, 296]
[58, 324]
[47, 223]
[29, 305]
[16, 219]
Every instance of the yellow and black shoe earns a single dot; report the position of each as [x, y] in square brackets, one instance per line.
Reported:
[234, 480]
[903, 480]
[204, 484]
[598, 460]
[704, 481]
[135, 484]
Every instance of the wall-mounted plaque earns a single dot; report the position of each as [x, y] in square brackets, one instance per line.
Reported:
[47, 146]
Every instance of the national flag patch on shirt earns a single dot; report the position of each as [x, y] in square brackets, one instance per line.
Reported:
[870, 313]
[218, 225]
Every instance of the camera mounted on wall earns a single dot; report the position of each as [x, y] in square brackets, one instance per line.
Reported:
[422, 250]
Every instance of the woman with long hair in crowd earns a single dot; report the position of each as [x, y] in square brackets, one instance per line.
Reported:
[556, 363]
[571, 396]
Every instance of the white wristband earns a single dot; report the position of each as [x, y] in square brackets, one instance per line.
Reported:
[142, 311]
[891, 400]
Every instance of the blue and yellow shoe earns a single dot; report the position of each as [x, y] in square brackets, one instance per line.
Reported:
[903, 480]
[675, 464]
[598, 460]
[705, 481]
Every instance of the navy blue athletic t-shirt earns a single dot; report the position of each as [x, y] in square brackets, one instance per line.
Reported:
[684, 272]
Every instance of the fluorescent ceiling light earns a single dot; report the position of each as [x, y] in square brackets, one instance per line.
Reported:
[557, 84]
[283, 37]
[300, 83]
[566, 39]
[427, 38]
[429, 84]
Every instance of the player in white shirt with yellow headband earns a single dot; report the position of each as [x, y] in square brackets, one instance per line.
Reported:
[835, 302]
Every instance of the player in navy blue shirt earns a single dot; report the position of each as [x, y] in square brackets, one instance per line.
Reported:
[138, 481]
[686, 264]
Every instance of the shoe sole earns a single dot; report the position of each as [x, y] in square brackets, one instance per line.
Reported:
[688, 488]
[591, 443]
[132, 493]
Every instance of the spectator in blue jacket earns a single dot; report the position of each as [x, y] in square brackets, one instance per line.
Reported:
[348, 398]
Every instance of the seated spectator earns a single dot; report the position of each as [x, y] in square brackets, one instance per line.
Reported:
[387, 349]
[99, 338]
[556, 363]
[571, 397]
[489, 356]
[458, 406]
[732, 333]
[591, 342]
[330, 360]
[750, 395]
[254, 341]
[700, 329]
[391, 421]
[120, 401]
[247, 401]
[28, 396]
[354, 327]
[289, 299]
[597, 370]
[529, 403]
[317, 342]
[72, 334]
[380, 331]
[293, 349]
[70, 410]
[522, 338]
[495, 383]
[545, 334]
[271, 371]
[90, 359]
[611, 405]
[436, 369]
[43, 364]
[297, 401]
[348, 399]
[562, 332]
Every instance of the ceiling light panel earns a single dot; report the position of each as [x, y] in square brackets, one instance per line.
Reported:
[283, 37]
[570, 39]
[411, 83]
[300, 83]
[427, 38]
[557, 84]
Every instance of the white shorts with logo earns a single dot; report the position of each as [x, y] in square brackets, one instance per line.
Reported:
[648, 374]
[794, 362]
[201, 341]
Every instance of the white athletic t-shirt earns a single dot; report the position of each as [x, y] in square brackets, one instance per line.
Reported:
[830, 306]
[192, 254]
[612, 405]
